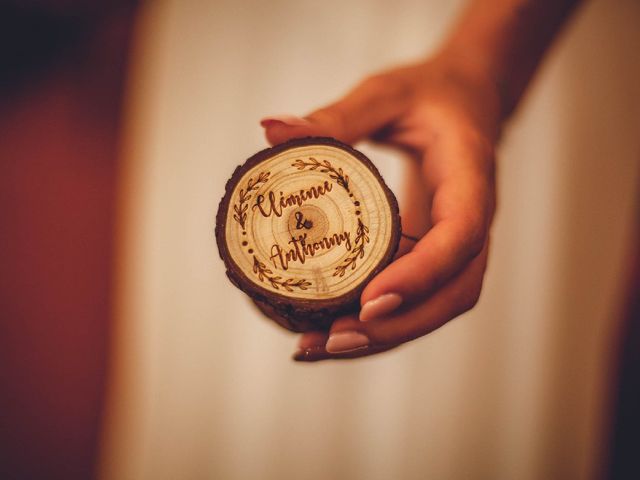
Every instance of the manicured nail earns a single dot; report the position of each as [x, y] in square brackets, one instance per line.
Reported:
[343, 342]
[379, 307]
[310, 354]
[288, 120]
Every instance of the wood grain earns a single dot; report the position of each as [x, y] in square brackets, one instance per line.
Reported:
[303, 227]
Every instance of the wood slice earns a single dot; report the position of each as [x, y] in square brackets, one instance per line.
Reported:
[303, 227]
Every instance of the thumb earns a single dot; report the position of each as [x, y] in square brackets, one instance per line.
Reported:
[374, 103]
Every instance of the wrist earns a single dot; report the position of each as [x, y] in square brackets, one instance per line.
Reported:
[485, 70]
[469, 87]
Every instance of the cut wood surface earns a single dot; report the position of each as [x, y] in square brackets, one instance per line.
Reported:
[303, 227]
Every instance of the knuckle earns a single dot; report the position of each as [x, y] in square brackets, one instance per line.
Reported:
[470, 297]
[333, 119]
[376, 82]
[476, 234]
[483, 144]
[479, 145]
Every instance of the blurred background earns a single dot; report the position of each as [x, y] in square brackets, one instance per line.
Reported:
[197, 385]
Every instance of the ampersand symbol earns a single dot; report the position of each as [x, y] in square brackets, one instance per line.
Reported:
[301, 222]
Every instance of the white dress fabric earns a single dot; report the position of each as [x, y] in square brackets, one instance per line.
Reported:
[203, 387]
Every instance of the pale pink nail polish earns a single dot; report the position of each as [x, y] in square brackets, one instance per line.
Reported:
[289, 120]
[380, 306]
[343, 342]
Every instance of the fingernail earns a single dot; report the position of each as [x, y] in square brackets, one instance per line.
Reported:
[310, 354]
[289, 120]
[343, 342]
[379, 307]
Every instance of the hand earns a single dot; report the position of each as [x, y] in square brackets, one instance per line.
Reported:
[446, 115]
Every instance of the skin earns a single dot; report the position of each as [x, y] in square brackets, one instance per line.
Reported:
[446, 113]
